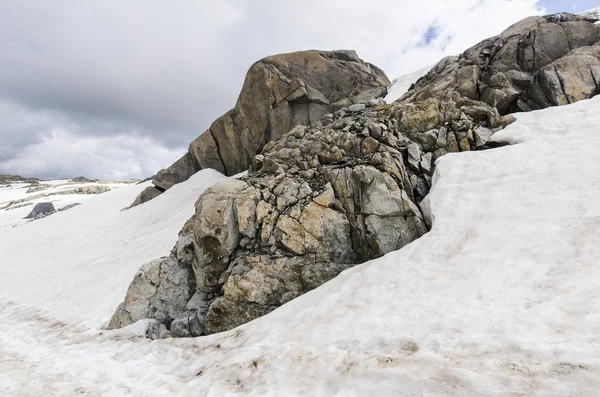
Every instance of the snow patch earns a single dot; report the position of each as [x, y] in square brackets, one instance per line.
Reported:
[401, 84]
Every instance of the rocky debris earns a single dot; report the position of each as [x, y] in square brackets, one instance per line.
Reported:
[68, 207]
[319, 200]
[279, 93]
[431, 128]
[27, 200]
[147, 179]
[37, 187]
[92, 189]
[146, 195]
[6, 179]
[147, 328]
[41, 210]
[536, 63]
[15, 206]
[82, 179]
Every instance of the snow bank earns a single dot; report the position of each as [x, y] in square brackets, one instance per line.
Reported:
[501, 298]
[401, 84]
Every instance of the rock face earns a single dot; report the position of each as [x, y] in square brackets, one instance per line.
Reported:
[41, 210]
[569, 79]
[279, 93]
[536, 63]
[160, 290]
[146, 195]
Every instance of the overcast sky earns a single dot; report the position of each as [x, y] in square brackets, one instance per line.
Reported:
[117, 89]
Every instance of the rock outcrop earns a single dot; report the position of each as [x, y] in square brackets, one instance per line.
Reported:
[92, 189]
[37, 187]
[536, 63]
[147, 194]
[161, 289]
[279, 92]
[319, 200]
[41, 210]
[326, 195]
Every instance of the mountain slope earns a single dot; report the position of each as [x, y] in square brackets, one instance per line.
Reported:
[500, 298]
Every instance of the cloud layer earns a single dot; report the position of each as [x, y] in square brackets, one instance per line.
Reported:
[118, 89]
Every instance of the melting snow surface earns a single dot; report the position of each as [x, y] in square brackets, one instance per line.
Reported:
[501, 298]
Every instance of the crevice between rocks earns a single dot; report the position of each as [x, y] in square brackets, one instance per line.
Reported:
[219, 151]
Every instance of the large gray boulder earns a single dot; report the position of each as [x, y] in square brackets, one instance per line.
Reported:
[521, 69]
[279, 92]
[41, 210]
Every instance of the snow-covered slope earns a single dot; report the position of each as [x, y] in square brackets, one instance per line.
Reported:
[18, 199]
[592, 13]
[501, 298]
[77, 264]
[401, 84]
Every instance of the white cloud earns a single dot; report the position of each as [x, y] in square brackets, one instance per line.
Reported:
[57, 147]
[110, 158]
[168, 69]
[388, 33]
